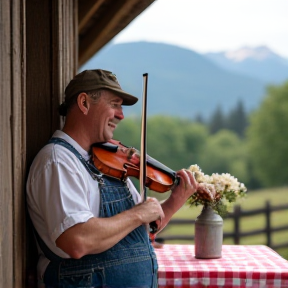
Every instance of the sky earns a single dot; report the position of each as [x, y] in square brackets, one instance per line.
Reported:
[212, 25]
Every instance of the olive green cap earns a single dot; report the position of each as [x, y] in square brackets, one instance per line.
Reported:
[89, 80]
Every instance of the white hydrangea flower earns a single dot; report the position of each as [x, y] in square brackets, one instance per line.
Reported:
[222, 183]
[194, 168]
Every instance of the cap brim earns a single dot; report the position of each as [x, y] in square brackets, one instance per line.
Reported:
[128, 99]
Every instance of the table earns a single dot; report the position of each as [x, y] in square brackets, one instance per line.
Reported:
[240, 266]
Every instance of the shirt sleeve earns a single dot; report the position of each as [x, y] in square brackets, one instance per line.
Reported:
[63, 196]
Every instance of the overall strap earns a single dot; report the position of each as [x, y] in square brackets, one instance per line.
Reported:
[47, 252]
[95, 174]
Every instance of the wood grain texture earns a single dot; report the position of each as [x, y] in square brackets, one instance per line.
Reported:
[18, 123]
[38, 52]
[12, 163]
[6, 192]
[51, 61]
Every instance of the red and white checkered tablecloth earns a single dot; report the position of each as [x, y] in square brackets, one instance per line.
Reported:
[252, 266]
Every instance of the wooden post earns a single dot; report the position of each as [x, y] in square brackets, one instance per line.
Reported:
[237, 212]
[268, 223]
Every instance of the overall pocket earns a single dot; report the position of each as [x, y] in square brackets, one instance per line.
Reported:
[94, 277]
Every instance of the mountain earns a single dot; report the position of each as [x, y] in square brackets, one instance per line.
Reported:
[259, 62]
[181, 82]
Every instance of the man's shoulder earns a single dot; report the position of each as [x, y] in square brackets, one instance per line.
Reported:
[51, 159]
[54, 153]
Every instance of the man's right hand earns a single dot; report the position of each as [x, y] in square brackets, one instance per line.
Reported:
[149, 211]
[99, 234]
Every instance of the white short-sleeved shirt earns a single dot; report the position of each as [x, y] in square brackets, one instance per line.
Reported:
[61, 193]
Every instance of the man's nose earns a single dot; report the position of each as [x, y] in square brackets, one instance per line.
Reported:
[119, 113]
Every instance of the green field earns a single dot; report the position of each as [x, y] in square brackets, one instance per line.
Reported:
[255, 199]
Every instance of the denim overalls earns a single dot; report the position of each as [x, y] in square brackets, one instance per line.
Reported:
[130, 263]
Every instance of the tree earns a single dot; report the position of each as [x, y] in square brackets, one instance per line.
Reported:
[217, 121]
[195, 138]
[199, 119]
[267, 137]
[225, 152]
[165, 141]
[237, 119]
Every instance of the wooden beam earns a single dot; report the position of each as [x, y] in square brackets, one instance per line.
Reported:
[115, 19]
[96, 36]
[86, 10]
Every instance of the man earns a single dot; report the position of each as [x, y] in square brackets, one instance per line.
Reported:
[90, 227]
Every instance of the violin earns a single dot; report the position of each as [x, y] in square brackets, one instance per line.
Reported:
[117, 160]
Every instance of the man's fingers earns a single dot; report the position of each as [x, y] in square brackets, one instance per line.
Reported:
[188, 179]
[206, 191]
[156, 207]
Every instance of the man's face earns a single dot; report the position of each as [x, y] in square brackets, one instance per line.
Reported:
[106, 114]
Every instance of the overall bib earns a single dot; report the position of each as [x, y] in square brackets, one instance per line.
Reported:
[129, 263]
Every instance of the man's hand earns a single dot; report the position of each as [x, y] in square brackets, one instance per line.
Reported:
[99, 234]
[181, 192]
[149, 211]
[188, 186]
[206, 191]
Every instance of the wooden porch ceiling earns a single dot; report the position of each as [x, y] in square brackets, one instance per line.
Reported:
[100, 20]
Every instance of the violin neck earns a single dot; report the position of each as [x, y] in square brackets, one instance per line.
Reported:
[163, 168]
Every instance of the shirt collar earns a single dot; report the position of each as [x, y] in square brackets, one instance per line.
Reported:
[66, 137]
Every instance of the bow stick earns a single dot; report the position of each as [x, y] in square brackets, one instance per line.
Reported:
[153, 227]
[143, 161]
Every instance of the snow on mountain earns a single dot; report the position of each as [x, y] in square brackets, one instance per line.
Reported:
[258, 62]
[259, 53]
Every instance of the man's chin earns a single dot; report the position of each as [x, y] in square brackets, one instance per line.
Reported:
[108, 137]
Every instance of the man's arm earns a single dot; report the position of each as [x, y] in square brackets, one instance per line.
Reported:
[187, 186]
[99, 234]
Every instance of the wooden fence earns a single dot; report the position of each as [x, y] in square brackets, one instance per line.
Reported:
[237, 234]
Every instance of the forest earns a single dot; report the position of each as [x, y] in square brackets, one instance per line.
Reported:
[253, 146]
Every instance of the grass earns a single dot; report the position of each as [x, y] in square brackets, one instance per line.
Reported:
[255, 199]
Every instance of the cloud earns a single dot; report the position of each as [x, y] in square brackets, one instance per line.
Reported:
[210, 25]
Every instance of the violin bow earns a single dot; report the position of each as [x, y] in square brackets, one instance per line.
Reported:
[143, 161]
[153, 227]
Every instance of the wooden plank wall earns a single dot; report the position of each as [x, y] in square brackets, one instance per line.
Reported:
[6, 220]
[51, 60]
[38, 53]
[18, 140]
[12, 144]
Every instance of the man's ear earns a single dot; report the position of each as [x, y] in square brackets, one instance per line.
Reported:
[83, 103]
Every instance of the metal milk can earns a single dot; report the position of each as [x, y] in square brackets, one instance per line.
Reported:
[208, 234]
